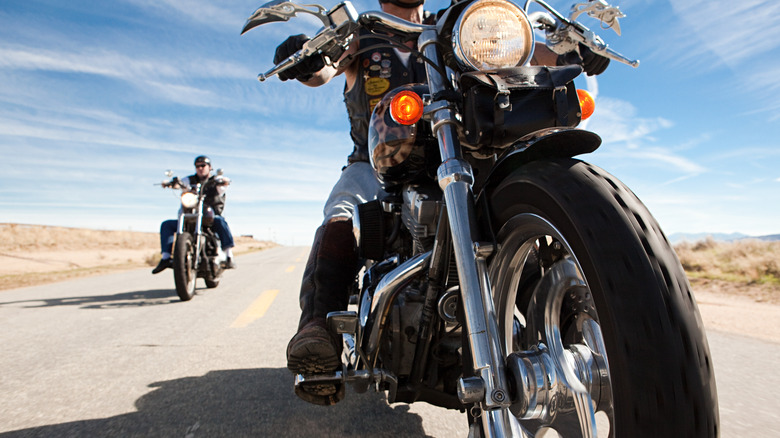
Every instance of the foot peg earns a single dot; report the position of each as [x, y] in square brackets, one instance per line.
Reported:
[320, 389]
[342, 322]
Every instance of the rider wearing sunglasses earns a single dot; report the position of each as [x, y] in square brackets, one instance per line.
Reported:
[215, 198]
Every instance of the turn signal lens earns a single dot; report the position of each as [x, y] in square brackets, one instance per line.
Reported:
[587, 104]
[406, 107]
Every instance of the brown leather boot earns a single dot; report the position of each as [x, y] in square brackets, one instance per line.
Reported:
[313, 350]
[329, 273]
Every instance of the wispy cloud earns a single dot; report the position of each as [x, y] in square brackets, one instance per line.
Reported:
[740, 36]
[164, 79]
[732, 32]
[626, 134]
[204, 12]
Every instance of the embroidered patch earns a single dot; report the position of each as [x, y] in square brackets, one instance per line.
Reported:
[376, 57]
[376, 86]
[373, 102]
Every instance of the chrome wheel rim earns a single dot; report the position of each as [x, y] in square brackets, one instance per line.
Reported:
[551, 337]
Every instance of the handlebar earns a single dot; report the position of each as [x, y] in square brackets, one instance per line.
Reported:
[342, 22]
[582, 34]
[333, 40]
[564, 34]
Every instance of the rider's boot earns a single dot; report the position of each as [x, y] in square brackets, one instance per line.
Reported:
[329, 273]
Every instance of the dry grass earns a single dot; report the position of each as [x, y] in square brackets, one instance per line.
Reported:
[749, 261]
[746, 267]
[36, 254]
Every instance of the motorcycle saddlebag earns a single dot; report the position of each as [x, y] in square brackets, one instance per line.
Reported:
[500, 107]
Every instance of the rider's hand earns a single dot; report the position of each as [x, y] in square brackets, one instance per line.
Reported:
[592, 63]
[304, 70]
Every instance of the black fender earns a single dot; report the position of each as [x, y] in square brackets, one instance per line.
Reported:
[547, 143]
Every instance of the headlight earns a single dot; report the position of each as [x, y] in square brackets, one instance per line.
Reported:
[189, 200]
[492, 34]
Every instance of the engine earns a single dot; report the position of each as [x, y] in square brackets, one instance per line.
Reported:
[378, 224]
[419, 213]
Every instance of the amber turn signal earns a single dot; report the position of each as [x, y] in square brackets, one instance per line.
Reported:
[406, 107]
[587, 104]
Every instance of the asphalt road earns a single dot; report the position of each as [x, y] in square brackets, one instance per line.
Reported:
[120, 355]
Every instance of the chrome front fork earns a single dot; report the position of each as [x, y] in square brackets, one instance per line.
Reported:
[488, 387]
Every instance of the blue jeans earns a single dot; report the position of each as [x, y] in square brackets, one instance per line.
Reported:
[220, 226]
[357, 184]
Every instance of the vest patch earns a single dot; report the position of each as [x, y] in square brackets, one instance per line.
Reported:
[377, 86]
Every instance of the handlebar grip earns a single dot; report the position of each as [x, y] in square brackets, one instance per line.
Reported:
[611, 54]
[282, 66]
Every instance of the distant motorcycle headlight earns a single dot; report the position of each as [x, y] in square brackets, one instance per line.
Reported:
[492, 34]
[189, 200]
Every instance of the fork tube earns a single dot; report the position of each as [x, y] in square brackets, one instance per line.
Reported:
[455, 179]
[196, 236]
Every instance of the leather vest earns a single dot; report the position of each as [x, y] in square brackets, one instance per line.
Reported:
[212, 197]
[379, 70]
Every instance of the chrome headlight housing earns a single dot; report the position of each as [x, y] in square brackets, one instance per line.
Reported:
[189, 200]
[492, 34]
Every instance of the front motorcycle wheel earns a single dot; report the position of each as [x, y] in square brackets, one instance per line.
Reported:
[601, 333]
[184, 269]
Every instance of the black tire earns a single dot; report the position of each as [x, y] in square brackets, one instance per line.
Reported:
[184, 269]
[211, 284]
[633, 295]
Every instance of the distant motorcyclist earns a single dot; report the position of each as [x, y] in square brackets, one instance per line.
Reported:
[215, 198]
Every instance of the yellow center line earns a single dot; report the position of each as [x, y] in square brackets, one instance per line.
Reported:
[290, 268]
[256, 310]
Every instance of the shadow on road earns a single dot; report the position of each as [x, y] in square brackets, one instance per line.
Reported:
[242, 403]
[150, 297]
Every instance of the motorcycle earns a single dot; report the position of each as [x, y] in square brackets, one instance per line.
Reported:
[505, 278]
[196, 252]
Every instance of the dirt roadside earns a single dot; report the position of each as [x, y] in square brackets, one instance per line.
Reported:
[731, 309]
[34, 254]
[31, 255]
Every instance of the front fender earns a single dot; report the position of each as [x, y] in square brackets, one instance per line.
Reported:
[549, 143]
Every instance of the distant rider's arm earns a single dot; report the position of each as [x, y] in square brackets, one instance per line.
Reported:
[174, 183]
[222, 184]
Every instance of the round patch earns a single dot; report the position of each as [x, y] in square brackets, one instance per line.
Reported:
[376, 86]
[376, 57]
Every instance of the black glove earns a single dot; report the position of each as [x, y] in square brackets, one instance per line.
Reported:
[304, 70]
[592, 63]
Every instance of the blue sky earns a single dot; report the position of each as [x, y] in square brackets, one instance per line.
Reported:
[98, 99]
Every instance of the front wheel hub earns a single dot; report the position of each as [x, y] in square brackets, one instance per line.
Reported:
[538, 392]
